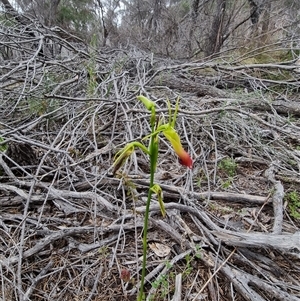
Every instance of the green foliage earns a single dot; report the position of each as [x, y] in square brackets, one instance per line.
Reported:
[3, 147]
[188, 268]
[198, 253]
[293, 199]
[202, 177]
[37, 106]
[228, 166]
[290, 54]
[162, 287]
[66, 14]
[92, 81]
[280, 75]
[6, 20]
[189, 259]
[103, 252]
[293, 163]
[76, 15]
[91, 68]
[291, 118]
[184, 7]
[40, 107]
[226, 184]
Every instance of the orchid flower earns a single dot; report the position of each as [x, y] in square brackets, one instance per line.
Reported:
[171, 134]
[122, 155]
[168, 131]
[173, 137]
[152, 151]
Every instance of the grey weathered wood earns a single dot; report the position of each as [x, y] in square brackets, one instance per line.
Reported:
[178, 288]
[285, 242]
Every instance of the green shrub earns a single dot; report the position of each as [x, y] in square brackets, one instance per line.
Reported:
[293, 199]
[228, 166]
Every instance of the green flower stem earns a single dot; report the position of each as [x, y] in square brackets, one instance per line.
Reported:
[152, 151]
[153, 148]
[141, 291]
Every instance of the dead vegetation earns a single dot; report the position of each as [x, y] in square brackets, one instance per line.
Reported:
[70, 230]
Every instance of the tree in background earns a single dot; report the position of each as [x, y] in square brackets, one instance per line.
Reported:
[45, 11]
[79, 17]
[175, 28]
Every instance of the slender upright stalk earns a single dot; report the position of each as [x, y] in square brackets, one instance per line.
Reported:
[169, 132]
[141, 291]
[153, 149]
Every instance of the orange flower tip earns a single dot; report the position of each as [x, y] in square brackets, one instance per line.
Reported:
[186, 160]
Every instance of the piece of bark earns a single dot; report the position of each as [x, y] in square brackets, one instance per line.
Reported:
[178, 288]
[286, 242]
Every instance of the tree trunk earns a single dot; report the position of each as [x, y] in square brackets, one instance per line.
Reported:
[51, 18]
[215, 39]
[194, 14]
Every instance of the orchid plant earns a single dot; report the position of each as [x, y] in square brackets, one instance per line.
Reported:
[168, 130]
